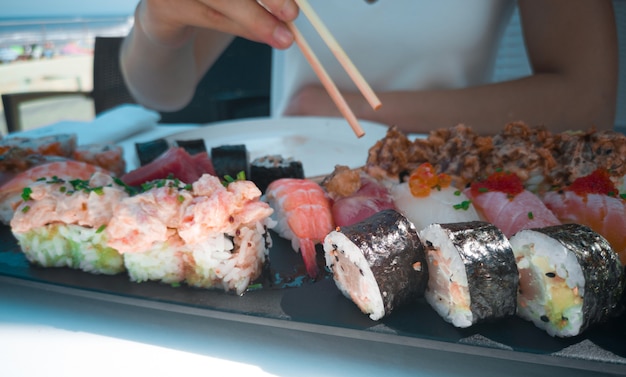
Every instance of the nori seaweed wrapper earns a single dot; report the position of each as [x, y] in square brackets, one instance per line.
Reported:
[230, 160]
[267, 169]
[395, 254]
[193, 146]
[492, 275]
[148, 151]
[602, 270]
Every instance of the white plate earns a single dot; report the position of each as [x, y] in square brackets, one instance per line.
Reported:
[319, 143]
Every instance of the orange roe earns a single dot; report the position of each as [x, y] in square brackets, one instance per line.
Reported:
[424, 178]
[507, 183]
[598, 182]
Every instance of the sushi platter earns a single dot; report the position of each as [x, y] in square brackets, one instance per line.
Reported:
[293, 301]
[286, 296]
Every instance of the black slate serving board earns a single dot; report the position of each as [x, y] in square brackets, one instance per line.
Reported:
[288, 299]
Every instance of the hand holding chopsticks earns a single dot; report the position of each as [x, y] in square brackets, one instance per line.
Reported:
[345, 61]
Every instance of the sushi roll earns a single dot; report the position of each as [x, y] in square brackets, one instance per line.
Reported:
[230, 160]
[472, 275]
[106, 156]
[202, 234]
[61, 223]
[379, 263]
[149, 151]
[193, 146]
[51, 145]
[266, 169]
[570, 278]
[427, 198]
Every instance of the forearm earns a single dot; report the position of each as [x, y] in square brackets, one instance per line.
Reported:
[161, 77]
[546, 99]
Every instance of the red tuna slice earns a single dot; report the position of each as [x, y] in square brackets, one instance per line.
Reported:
[203, 163]
[370, 198]
[174, 162]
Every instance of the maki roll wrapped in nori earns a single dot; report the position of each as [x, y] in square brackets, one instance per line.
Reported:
[378, 263]
[148, 151]
[267, 169]
[472, 272]
[193, 146]
[570, 278]
[230, 160]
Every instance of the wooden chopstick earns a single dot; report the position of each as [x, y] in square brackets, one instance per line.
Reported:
[326, 80]
[339, 53]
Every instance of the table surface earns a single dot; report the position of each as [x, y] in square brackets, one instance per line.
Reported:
[52, 333]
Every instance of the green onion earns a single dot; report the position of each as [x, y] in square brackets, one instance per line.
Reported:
[101, 228]
[26, 193]
[464, 205]
[530, 215]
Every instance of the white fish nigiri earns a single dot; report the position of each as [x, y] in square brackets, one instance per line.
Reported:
[428, 198]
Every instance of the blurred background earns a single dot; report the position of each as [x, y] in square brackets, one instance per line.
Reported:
[48, 45]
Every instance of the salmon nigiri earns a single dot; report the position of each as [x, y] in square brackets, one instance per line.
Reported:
[594, 201]
[303, 213]
[502, 200]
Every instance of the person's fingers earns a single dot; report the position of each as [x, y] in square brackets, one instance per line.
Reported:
[171, 22]
[255, 20]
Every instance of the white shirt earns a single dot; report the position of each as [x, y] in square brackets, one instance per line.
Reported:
[398, 45]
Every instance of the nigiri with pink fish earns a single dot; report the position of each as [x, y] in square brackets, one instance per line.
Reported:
[502, 200]
[355, 196]
[594, 201]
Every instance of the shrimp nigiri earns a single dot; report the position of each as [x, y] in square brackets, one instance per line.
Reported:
[502, 200]
[304, 216]
[11, 191]
[593, 201]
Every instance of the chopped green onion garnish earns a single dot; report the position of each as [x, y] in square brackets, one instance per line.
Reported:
[26, 193]
[464, 205]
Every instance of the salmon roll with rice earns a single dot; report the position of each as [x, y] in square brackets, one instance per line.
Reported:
[472, 272]
[61, 223]
[204, 234]
[570, 278]
[378, 263]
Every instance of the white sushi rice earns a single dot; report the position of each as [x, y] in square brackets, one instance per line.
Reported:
[448, 290]
[232, 266]
[74, 246]
[552, 284]
[227, 261]
[352, 274]
[161, 262]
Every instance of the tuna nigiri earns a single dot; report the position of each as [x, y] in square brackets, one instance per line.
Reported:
[303, 213]
[502, 200]
[593, 201]
[355, 196]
